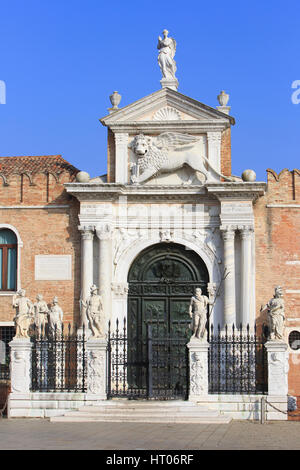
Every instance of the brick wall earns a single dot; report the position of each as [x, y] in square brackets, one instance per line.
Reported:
[226, 152]
[43, 231]
[277, 226]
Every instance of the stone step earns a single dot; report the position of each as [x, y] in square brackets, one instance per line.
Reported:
[143, 412]
[142, 419]
[155, 414]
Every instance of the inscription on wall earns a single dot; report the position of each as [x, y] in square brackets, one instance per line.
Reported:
[53, 267]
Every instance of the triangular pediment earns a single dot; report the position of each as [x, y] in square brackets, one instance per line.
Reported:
[167, 105]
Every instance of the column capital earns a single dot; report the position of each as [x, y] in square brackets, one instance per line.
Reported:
[87, 232]
[228, 231]
[105, 231]
[214, 137]
[121, 138]
[246, 231]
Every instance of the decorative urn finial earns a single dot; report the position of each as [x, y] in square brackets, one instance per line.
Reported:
[115, 99]
[223, 99]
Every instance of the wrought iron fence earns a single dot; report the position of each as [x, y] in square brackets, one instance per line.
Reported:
[153, 365]
[59, 361]
[237, 361]
[6, 335]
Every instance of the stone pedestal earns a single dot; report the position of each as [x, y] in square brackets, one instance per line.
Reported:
[278, 367]
[169, 83]
[198, 352]
[96, 368]
[20, 365]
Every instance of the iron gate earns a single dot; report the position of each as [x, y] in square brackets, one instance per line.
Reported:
[155, 368]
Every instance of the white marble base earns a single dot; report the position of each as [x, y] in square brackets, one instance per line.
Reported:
[198, 352]
[278, 367]
[96, 363]
[173, 84]
[20, 365]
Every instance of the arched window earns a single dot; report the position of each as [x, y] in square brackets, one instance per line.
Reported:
[8, 260]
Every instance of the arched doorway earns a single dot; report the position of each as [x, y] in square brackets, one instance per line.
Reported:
[161, 281]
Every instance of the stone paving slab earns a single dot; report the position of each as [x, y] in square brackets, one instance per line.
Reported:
[40, 434]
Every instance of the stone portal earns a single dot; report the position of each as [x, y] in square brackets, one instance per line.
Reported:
[162, 280]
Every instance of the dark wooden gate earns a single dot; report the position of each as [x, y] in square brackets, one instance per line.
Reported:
[161, 280]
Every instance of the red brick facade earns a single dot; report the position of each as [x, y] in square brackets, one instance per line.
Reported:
[226, 152]
[35, 203]
[277, 234]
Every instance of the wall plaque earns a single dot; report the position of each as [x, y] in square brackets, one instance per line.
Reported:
[53, 267]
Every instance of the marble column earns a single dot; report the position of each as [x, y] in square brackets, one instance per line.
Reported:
[228, 234]
[246, 274]
[87, 236]
[104, 234]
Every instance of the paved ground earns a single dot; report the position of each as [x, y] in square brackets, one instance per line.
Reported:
[38, 434]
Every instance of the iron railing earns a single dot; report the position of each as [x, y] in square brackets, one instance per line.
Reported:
[237, 361]
[6, 335]
[59, 361]
[153, 365]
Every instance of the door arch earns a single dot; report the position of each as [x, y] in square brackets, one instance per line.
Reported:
[161, 281]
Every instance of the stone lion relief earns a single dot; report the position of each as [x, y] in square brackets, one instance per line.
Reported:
[167, 153]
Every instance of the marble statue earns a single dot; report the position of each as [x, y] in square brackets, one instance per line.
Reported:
[55, 317]
[275, 312]
[198, 314]
[167, 49]
[41, 314]
[167, 152]
[94, 312]
[24, 313]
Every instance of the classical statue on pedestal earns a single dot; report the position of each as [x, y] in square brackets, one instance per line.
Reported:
[275, 311]
[198, 314]
[94, 312]
[167, 49]
[55, 317]
[41, 314]
[24, 314]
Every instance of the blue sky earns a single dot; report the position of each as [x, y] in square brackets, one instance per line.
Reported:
[61, 60]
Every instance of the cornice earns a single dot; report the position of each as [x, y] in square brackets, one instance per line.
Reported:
[192, 127]
[237, 190]
[114, 190]
[111, 191]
